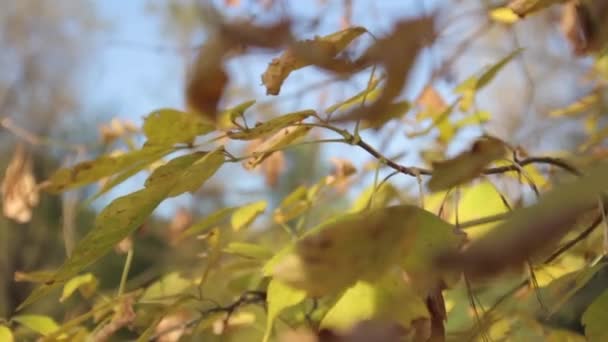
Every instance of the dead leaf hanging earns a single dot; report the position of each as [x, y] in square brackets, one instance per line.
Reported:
[19, 189]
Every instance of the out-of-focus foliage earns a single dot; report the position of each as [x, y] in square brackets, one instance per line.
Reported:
[496, 241]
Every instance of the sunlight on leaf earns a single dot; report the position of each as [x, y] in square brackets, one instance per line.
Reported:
[43, 325]
[581, 105]
[358, 246]
[5, 334]
[389, 298]
[292, 206]
[478, 201]
[86, 283]
[504, 15]
[245, 215]
[279, 297]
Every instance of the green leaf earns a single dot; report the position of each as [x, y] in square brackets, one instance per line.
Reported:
[93, 170]
[212, 220]
[487, 76]
[530, 230]
[279, 297]
[466, 166]
[43, 325]
[186, 173]
[114, 223]
[387, 299]
[169, 286]
[478, 201]
[245, 215]
[368, 94]
[594, 319]
[337, 253]
[271, 126]
[5, 334]
[170, 126]
[86, 283]
[292, 206]
[248, 250]
[525, 7]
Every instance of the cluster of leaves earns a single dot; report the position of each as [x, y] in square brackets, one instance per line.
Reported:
[389, 260]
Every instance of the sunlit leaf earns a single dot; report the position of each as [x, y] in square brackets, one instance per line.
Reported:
[530, 230]
[479, 201]
[170, 126]
[86, 283]
[389, 298]
[379, 196]
[476, 118]
[269, 127]
[504, 15]
[186, 173]
[279, 140]
[581, 105]
[594, 319]
[90, 171]
[279, 297]
[228, 117]
[525, 7]
[359, 246]
[320, 51]
[248, 250]
[245, 215]
[368, 94]
[466, 166]
[43, 325]
[292, 206]
[5, 334]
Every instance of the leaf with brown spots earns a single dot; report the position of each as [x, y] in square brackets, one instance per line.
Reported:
[359, 246]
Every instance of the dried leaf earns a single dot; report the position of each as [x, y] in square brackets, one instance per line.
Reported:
[583, 25]
[19, 188]
[525, 7]
[320, 51]
[466, 166]
[431, 103]
[279, 140]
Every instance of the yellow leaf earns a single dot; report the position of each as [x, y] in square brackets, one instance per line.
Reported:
[86, 283]
[292, 206]
[248, 250]
[43, 325]
[279, 297]
[170, 126]
[478, 201]
[370, 93]
[359, 246]
[5, 334]
[245, 215]
[525, 7]
[581, 105]
[504, 15]
[389, 298]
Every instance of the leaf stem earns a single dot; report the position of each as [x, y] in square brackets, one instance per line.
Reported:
[125, 272]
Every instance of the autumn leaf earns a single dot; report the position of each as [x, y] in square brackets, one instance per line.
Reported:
[320, 51]
[466, 166]
[19, 188]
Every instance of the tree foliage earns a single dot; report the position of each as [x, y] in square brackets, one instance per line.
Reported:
[489, 243]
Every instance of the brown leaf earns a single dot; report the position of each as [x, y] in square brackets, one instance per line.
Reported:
[397, 53]
[19, 189]
[582, 24]
[321, 52]
[430, 101]
[179, 223]
[530, 231]
[467, 165]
